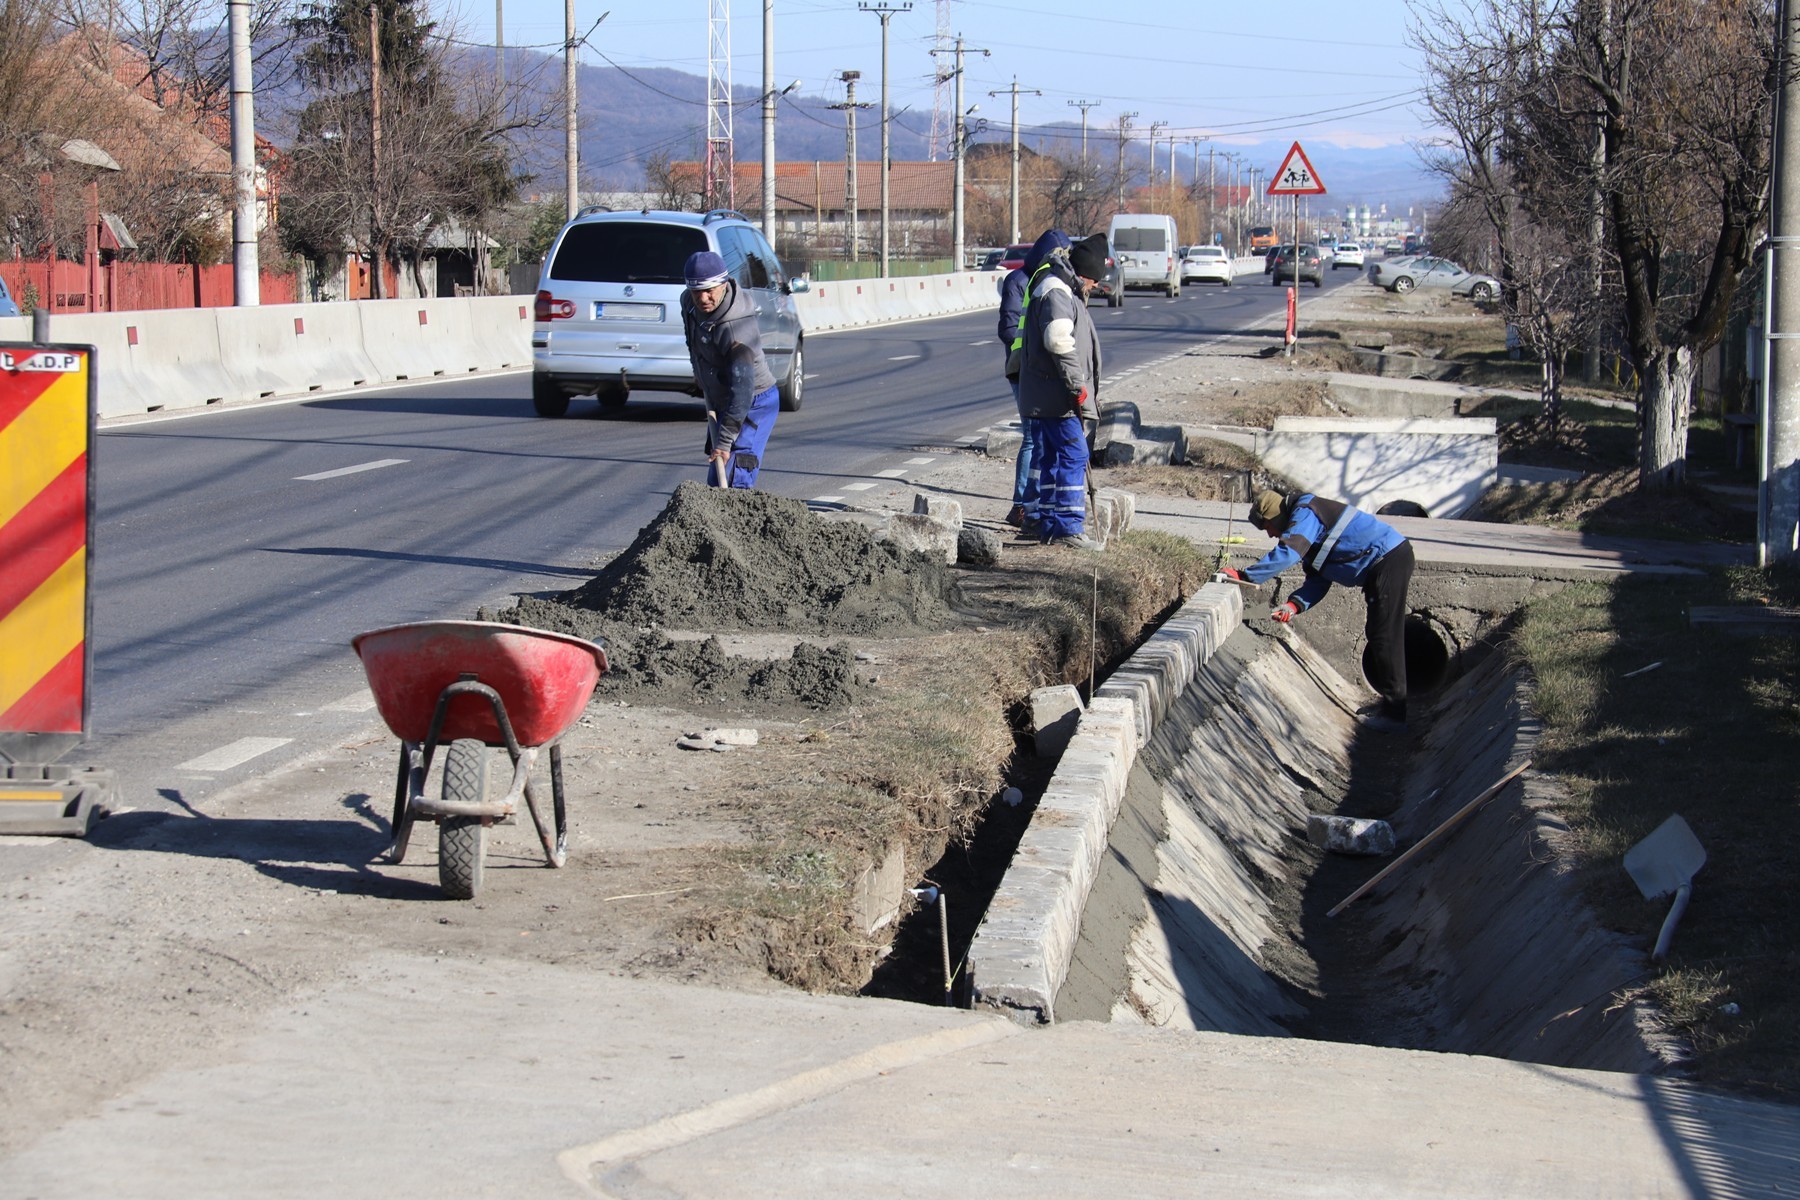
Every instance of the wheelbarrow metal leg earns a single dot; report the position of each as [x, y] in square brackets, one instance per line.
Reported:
[562, 812]
[400, 827]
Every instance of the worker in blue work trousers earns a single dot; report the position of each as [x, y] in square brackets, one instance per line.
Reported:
[725, 348]
[1014, 298]
[1059, 386]
[1335, 543]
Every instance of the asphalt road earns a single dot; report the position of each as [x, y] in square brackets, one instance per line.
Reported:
[238, 551]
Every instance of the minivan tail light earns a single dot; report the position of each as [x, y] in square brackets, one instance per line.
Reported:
[549, 308]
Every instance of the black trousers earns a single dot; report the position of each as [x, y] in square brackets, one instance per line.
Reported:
[1385, 593]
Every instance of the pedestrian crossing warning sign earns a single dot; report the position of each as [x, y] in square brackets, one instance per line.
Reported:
[1296, 176]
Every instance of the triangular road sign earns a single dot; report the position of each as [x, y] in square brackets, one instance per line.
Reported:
[1296, 176]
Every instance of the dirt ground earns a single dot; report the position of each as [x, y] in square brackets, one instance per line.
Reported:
[884, 692]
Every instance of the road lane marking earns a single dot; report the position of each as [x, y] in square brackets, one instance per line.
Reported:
[919, 462]
[903, 357]
[891, 473]
[862, 486]
[233, 754]
[970, 439]
[355, 702]
[368, 466]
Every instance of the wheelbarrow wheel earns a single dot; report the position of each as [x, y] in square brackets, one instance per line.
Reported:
[462, 841]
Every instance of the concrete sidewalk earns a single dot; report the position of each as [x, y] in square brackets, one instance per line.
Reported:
[422, 1077]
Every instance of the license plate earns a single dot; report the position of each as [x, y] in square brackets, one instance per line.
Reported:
[619, 310]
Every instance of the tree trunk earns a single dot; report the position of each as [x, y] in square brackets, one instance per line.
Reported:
[1664, 393]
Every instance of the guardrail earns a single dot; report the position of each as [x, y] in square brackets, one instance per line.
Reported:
[167, 359]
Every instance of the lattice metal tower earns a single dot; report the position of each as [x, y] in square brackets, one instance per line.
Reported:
[942, 119]
[718, 189]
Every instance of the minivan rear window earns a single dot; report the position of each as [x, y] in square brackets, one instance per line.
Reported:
[626, 252]
[1140, 238]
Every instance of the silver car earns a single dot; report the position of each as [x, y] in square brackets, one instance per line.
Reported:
[608, 313]
[1424, 270]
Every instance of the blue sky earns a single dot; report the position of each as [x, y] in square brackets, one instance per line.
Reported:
[1327, 74]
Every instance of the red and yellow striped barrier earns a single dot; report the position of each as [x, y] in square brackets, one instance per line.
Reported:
[45, 431]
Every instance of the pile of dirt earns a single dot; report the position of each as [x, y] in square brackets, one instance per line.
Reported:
[717, 559]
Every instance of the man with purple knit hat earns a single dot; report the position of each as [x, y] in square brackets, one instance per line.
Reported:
[725, 348]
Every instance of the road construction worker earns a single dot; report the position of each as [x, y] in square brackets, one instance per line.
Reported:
[1014, 297]
[1059, 384]
[1335, 543]
[725, 348]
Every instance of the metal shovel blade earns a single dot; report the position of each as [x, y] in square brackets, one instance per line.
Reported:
[1662, 863]
[1666, 859]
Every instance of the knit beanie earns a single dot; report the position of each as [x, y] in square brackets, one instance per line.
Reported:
[1088, 257]
[1266, 509]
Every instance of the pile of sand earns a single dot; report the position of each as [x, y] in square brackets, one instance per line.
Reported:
[744, 561]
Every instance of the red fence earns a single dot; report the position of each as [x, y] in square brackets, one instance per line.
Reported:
[64, 287]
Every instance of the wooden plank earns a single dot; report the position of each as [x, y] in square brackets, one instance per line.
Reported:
[1752, 620]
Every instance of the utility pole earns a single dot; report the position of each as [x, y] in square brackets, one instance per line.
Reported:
[1014, 91]
[375, 248]
[958, 146]
[1156, 127]
[1084, 105]
[245, 273]
[1778, 474]
[1124, 131]
[768, 122]
[571, 152]
[885, 11]
[850, 106]
[1212, 194]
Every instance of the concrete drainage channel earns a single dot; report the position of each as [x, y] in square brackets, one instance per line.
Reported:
[1166, 877]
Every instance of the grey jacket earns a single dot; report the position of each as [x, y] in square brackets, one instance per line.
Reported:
[1061, 349]
[726, 350]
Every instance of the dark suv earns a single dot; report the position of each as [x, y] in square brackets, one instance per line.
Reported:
[608, 319]
[1310, 268]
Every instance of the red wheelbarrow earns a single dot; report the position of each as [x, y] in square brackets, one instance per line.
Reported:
[472, 685]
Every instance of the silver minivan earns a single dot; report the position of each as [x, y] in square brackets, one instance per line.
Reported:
[608, 313]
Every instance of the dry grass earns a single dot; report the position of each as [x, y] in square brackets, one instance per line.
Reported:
[1712, 732]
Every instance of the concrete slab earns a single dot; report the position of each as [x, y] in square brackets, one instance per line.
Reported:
[559, 1082]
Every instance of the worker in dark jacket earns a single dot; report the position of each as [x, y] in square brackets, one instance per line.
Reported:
[726, 351]
[1013, 292]
[1059, 384]
[1335, 543]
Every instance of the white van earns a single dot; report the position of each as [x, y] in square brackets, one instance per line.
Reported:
[1146, 248]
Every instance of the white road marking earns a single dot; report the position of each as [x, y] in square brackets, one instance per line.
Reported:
[355, 702]
[970, 440]
[368, 466]
[862, 486]
[891, 473]
[978, 343]
[826, 500]
[234, 754]
[902, 357]
[919, 462]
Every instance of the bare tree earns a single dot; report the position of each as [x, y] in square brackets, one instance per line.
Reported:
[181, 56]
[439, 154]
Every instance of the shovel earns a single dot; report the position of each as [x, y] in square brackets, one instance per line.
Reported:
[1665, 862]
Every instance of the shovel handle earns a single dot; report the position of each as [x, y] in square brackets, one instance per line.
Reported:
[1669, 922]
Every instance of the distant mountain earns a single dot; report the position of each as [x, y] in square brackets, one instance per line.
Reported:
[626, 117]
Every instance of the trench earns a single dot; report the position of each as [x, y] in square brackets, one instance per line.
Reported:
[1204, 905]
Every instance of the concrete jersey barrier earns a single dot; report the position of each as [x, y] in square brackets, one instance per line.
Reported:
[153, 360]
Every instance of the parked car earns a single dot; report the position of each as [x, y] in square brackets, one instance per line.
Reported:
[1424, 270]
[1349, 254]
[1013, 257]
[1207, 264]
[7, 307]
[1302, 264]
[608, 312]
